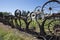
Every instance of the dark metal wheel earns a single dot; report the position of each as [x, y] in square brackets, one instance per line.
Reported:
[48, 9]
[52, 25]
[35, 25]
[17, 13]
[17, 18]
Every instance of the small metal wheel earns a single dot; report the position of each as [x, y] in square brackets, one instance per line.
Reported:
[17, 13]
[33, 26]
[17, 18]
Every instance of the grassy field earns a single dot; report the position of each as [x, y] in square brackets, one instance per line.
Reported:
[7, 33]
[14, 34]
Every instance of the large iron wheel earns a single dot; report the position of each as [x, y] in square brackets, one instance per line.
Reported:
[50, 23]
[48, 8]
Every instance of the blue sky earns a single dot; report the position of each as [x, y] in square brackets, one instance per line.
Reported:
[12, 5]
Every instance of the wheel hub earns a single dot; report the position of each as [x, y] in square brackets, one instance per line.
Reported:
[50, 8]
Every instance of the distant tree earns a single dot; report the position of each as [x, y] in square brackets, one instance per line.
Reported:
[28, 12]
[6, 13]
[24, 13]
[1, 14]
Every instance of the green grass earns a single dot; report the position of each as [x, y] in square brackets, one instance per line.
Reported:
[32, 24]
[9, 35]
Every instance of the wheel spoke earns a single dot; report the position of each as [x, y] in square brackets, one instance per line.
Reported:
[56, 10]
[54, 5]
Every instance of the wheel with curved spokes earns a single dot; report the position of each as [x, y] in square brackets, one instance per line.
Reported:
[51, 7]
[52, 25]
[48, 9]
